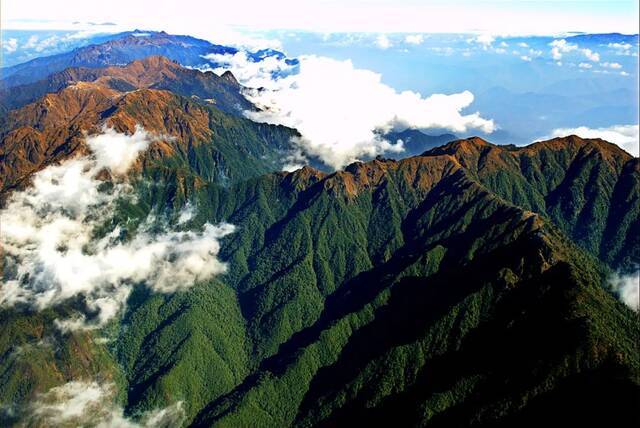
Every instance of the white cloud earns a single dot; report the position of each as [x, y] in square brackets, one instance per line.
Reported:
[52, 253]
[82, 403]
[532, 53]
[485, 40]
[624, 73]
[68, 402]
[523, 45]
[383, 42]
[613, 65]
[560, 47]
[338, 108]
[620, 46]
[414, 39]
[117, 152]
[585, 65]
[500, 51]
[295, 160]
[446, 50]
[625, 136]
[623, 49]
[627, 287]
[10, 45]
[255, 74]
[590, 55]
[186, 213]
[31, 42]
[535, 53]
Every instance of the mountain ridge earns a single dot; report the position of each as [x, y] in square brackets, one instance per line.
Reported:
[464, 286]
[153, 72]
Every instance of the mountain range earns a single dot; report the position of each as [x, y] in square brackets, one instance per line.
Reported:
[466, 284]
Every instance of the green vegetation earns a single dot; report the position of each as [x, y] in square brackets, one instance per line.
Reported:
[411, 293]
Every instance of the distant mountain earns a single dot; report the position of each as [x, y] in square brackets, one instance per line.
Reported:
[605, 38]
[416, 142]
[220, 147]
[121, 50]
[154, 72]
[534, 114]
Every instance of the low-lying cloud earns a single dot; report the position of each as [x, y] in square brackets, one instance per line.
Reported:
[82, 403]
[625, 136]
[55, 247]
[627, 287]
[341, 110]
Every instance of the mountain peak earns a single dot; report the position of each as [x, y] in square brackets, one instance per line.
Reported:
[230, 78]
[575, 141]
[464, 147]
[154, 61]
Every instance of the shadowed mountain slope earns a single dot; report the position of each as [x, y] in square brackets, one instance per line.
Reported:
[580, 184]
[358, 288]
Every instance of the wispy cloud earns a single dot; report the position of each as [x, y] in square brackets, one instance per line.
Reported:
[623, 49]
[10, 45]
[612, 65]
[89, 403]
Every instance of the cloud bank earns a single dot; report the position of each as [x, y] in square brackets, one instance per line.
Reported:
[53, 250]
[80, 403]
[625, 136]
[340, 110]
